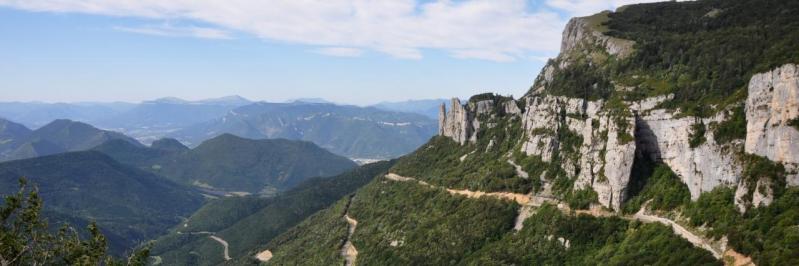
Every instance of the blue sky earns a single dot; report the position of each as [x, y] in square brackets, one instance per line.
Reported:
[354, 52]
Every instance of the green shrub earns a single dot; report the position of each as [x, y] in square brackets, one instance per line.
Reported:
[697, 136]
[663, 190]
[734, 127]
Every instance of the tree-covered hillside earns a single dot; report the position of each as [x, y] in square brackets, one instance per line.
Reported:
[26, 238]
[56, 137]
[129, 205]
[229, 163]
[248, 223]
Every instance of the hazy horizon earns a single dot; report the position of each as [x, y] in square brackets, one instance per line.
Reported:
[349, 52]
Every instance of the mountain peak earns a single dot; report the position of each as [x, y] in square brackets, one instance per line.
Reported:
[231, 100]
[310, 100]
[235, 100]
[168, 144]
[167, 100]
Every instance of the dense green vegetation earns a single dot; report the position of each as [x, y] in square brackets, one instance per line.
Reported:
[27, 239]
[435, 228]
[315, 241]
[232, 163]
[591, 241]
[768, 234]
[762, 169]
[663, 190]
[697, 136]
[128, 205]
[427, 226]
[581, 199]
[134, 155]
[703, 51]
[484, 166]
[732, 128]
[248, 223]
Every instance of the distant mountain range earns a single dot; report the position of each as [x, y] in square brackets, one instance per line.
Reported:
[355, 132]
[19, 142]
[385, 131]
[152, 120]
[429, 108]
[37, 114]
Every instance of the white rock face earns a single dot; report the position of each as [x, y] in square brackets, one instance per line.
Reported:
[772, 102]
[763, 195]
[456, 123]
[604, 159]
[463, 121]
[603, 162]
[442, 118]
[666, 138]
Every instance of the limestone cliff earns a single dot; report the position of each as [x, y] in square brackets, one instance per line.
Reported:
[772, 105]
[605, 136]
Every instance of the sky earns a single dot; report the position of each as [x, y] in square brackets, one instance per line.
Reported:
[347, 51]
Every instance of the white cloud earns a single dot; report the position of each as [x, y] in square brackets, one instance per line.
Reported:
[498, 30]
[339, 51]
[175, 31]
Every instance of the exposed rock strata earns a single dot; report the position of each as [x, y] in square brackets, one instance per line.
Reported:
[772, 103]
[701, 168]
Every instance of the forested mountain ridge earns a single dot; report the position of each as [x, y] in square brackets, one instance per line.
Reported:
[248, 223]
[58, 136]
[644, 141]
[231, 164]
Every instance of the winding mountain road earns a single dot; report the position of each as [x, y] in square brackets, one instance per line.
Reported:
[679, 230]
[224, 244]
[527, 201]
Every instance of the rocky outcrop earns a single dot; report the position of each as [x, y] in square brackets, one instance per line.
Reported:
[583, 31]
[772, 104]
[442, 118]
[457, 123]
[601, 161]
[463, 121]
[761, 195]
